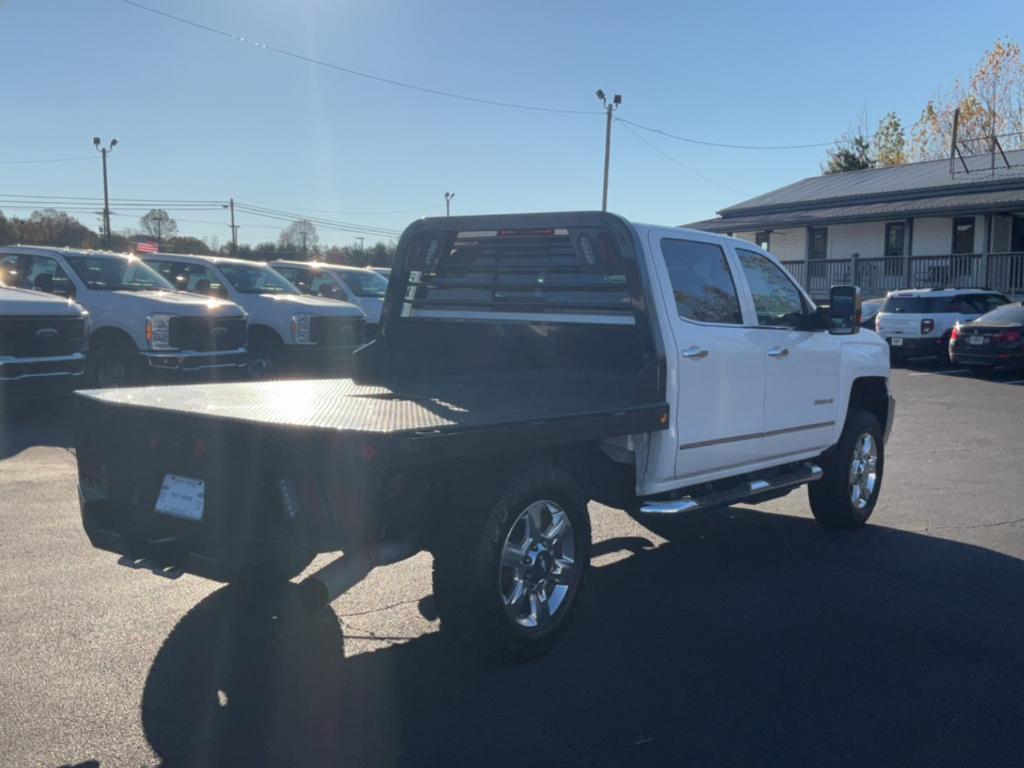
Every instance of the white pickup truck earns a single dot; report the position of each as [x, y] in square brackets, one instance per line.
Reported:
[356, 285]
[288, 331]
[140, 327]
[526, 365]
[42, 342]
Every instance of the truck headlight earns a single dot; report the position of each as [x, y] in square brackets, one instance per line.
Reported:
[300, 329]
[158, 331]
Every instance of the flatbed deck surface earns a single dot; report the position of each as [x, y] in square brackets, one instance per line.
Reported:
[456, 403]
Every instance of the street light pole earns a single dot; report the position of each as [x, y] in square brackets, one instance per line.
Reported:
[448, 203]
[106, 195]
[609, 108]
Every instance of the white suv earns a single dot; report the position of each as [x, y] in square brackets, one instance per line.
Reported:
[918, 322]
[287, 330]
[139, 326]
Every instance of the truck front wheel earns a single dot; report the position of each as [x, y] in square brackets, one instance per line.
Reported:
[508, 571]
[845, 497]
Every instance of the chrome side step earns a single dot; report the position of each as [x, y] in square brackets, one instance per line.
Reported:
[804, 474]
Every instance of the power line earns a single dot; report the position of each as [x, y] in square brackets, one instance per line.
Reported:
[343, 226]
[719, 144]
[54, 160]
[354, 72]
[346, 213]
[671, 159]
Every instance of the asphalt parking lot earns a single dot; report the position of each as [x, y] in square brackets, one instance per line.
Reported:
[751, 637]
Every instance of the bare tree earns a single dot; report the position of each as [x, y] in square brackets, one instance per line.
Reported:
[159, 225]
[299, 235]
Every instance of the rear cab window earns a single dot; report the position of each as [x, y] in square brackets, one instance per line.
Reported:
[965, 304]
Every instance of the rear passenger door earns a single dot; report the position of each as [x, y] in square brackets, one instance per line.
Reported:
[801, 366]
[717, 364]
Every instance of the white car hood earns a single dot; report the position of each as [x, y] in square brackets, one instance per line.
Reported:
[300, 302]
[170, 302]
[19, 301]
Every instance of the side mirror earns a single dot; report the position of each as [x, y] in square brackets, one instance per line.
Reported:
[844, 310]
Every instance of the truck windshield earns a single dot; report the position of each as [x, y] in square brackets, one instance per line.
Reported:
[246, 278]
[117, 273]
[365, 284]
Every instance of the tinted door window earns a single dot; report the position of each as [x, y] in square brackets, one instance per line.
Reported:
[701, 281]
[46, 275]
[194, 278]
[777, 302]
[10, 274]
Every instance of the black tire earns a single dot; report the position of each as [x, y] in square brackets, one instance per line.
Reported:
[266, 357]
[943, 353]
[470, 580]
[831, 497]
[114, 365]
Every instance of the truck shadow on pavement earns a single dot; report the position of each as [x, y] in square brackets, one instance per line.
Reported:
[28, 423]
[750, 639]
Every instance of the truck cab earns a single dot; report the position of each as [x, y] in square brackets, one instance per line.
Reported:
[288, 331]
[140, 327]
[363, 287]
[42, 342]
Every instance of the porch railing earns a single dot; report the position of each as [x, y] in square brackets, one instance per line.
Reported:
[876, 276]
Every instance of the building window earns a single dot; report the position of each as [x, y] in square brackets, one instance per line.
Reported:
[963, 235]
[817, 242]
[895, 247]
[763, 239]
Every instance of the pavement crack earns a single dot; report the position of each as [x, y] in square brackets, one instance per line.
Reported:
[977, 526]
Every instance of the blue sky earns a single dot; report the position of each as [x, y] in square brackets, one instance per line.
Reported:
[199, 116]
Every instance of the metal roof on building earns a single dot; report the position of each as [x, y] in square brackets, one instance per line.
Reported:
[927, 206]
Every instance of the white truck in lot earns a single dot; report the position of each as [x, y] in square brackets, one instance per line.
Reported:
[356, 285]
[140, 328]
[526, 365]
[42, 342]
[288, 331]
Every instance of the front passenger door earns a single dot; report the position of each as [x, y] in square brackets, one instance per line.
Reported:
[801, 366]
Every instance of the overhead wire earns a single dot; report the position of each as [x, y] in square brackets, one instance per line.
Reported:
[674, 161]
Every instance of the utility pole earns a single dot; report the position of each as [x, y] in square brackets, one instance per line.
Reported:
[106, 195]
[609, 108]
[448, 203]
[234, 228]
[360, 239]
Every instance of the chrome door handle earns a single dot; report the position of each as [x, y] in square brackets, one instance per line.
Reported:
[694, 353]
[779, 352]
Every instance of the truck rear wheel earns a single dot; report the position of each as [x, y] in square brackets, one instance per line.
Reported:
[846, 496]
[507, 574]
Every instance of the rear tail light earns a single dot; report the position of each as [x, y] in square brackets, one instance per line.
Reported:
[954, 334]
[927, 326]
[1007, 337]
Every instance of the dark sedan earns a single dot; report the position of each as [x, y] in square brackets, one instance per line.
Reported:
[995, 339]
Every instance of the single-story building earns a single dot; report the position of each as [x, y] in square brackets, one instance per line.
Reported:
[933, 224]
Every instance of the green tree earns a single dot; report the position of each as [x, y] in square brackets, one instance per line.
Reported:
[890, 141]
[158, 224]
[187, 244]
[52, 227]
[851, 153]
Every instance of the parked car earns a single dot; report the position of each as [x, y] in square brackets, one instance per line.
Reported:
[42, 342]
[994, 340]
[919, 322]
[363, 287]
[653, 369]
[288, 332]
[140, 328]
[868, 312]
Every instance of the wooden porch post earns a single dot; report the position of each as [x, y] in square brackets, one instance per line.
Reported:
[986, 248]
[907, 253]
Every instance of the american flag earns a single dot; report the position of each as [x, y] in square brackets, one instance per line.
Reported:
[146, 248]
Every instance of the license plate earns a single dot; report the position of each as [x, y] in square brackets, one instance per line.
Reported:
[181, 497]
[896, 341]
[976, 340]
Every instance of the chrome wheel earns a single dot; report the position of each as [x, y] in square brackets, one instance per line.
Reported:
[111, 372]
[538, 567]
[261, 364]
[863, 471]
